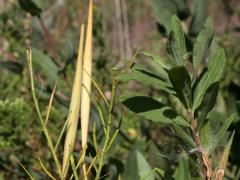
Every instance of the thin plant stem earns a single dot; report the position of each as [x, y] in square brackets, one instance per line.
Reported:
[28, 173]
[73, 167]
[80, 161]
[95, 137]
[113, 138]
[45, 130]
[108, 129]
[50, 104]
[45, 169]
[101, 116]
[204, 155]
[61, 135]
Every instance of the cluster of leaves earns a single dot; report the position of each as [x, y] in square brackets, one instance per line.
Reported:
[193, 78]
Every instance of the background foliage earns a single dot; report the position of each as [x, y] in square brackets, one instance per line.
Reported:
[51, 29]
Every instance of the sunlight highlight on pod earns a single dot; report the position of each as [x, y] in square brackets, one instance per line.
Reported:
[86, 79]
[74, 108]
[80, 100]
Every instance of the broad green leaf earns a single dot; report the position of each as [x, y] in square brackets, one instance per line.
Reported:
[222, 131]
[224, 159]
[207, 104]
[177, 45]
[200, 12]
[181, 83]
[202, 44]
[152, 109]
[183, 171]
[163, 11]
[46, 65]
[214, 72]
[137, 167]
[144, 76]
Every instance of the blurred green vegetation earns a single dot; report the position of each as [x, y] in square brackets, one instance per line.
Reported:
[143, 26]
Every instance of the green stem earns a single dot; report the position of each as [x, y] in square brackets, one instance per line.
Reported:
[108, 129]
[45, 130]
[73, 167]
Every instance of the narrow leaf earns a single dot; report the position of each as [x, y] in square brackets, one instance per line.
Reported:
[223, 130]
[223, 162]
[177, 45]
[144, 76]
[152, 109]
[177, 29]
[157, 59]
[202, 44]
[207, 104]
[214, 72]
